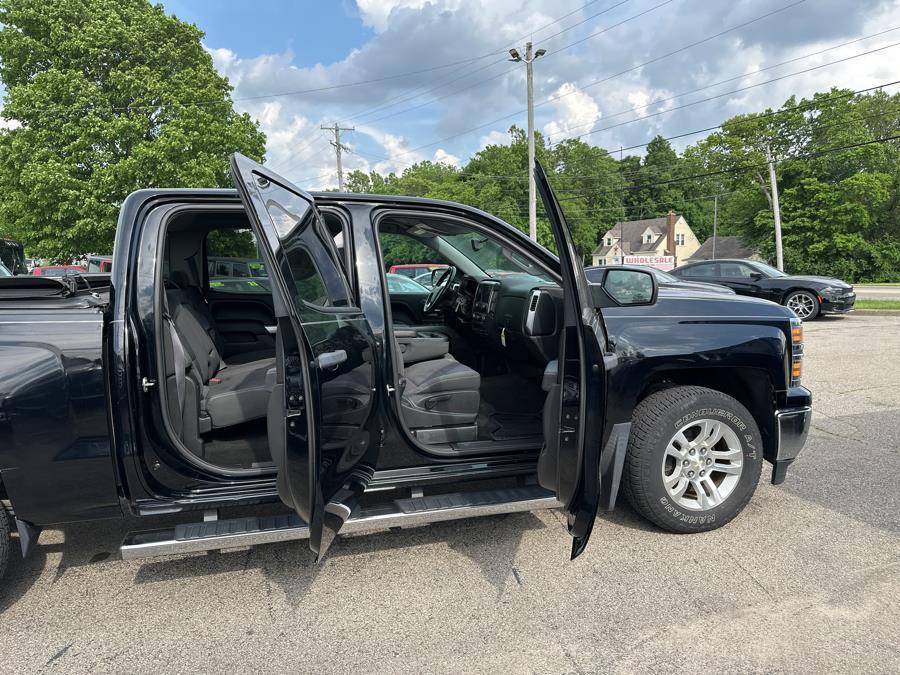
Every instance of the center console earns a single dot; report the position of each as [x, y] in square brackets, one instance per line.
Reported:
[484, 306]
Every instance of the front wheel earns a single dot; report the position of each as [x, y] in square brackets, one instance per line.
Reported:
[804, 303]
[694, 459]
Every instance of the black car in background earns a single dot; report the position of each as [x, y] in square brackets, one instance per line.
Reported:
[663, 279]
[808, 296]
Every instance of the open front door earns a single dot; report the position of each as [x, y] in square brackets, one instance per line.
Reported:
[576, 405]
[320, 410]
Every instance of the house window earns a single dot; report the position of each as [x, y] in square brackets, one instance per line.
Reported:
[649, 238]
[679, 239]
[609, 241]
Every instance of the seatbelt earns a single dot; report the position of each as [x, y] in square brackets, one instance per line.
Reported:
[178, 349]
[180, 362]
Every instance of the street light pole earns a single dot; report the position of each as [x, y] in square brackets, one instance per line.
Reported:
[529, 74]
[776, 212]
[715, 223]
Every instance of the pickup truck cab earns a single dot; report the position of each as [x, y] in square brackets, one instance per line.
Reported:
[153, 391]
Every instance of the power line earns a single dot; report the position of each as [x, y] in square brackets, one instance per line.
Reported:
[733, 91]
[498, 75]
[606, 79]
[730, 79]
[434, 87]
[693, 103]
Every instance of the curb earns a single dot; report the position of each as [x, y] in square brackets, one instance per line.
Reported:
[877, 312]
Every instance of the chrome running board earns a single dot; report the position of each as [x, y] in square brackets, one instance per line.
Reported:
[255, 530]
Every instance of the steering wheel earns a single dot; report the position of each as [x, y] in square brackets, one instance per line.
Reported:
[441, 287]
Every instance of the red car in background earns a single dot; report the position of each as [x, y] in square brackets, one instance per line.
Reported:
[414, 270]
[57, 270]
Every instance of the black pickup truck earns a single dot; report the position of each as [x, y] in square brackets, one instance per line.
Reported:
[156, 389]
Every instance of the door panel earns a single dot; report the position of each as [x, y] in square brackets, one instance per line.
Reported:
[321, 418]
[575, 413]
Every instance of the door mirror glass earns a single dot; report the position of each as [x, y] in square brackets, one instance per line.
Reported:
[630, 287]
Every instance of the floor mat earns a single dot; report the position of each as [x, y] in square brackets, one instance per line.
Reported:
[506, 426]
[242, 446]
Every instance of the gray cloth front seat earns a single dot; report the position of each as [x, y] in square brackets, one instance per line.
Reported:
[440, 399]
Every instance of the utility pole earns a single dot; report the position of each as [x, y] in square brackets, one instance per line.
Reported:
[529, 73]
[715, 223]
[776, 211]
[338, 148]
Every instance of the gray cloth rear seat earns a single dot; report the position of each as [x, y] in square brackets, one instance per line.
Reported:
[186, 294]
[230, 393]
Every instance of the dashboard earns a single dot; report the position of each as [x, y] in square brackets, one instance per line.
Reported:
[517, 313]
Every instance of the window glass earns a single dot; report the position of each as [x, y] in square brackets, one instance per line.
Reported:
[705, 270]
[312, 260]
[492, 257]
[401, 284]
[768, 270]
[735, 270]
[234, 262]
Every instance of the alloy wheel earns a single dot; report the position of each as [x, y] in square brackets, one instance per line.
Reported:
[702, 464]
[803, 304]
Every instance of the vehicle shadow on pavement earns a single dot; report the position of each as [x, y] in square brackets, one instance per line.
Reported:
[491, 543]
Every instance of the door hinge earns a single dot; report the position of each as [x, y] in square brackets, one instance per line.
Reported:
[147, 384]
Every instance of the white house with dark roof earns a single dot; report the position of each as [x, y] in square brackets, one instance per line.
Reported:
[669, 235]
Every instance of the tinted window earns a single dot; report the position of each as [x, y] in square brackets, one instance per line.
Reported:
[233, 254]
[311, 256]
[705, 270]
[734, 270]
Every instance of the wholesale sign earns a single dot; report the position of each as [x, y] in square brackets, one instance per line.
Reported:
[660, 262]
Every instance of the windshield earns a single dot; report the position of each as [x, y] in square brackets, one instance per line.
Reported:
[12, 256]
[768, 269]
[4, 272]
[492, 258]
[397, 283]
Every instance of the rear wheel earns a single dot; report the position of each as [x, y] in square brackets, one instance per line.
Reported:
[694, 459]
[804, 303]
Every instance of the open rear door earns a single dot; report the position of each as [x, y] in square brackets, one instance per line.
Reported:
[320, 410]
[576, 405]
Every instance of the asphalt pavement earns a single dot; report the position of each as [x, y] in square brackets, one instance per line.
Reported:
[807, 579]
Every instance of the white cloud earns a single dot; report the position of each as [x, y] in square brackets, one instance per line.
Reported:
[425, 35]
[494, 138]
[441, 156]
[574, 114]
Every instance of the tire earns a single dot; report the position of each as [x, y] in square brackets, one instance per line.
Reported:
[657, 454]
[4, 539]
[804, 303]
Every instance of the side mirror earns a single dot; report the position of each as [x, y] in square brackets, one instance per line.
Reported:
[756, 276]
[626, 288]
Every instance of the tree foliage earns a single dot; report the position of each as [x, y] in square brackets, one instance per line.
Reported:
[109, 96]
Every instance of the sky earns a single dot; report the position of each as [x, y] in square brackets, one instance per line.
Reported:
[430, 79]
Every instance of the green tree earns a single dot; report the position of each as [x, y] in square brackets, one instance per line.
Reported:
[110, 96]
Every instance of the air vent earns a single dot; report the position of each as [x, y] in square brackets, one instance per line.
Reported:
[532, 310]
